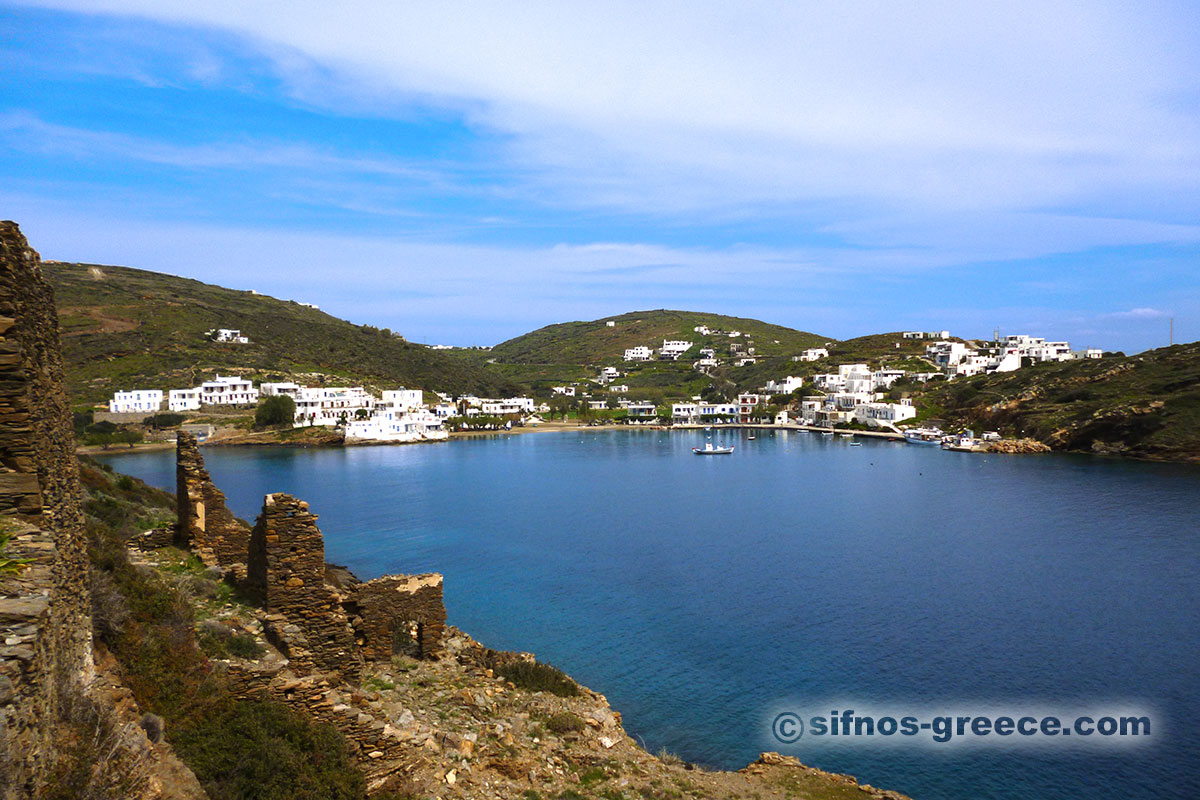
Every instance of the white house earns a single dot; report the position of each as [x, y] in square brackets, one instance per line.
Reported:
[510, 405]
[788, 385]
[394, 424]
[610, 324]
[926, 334]
[813, 354]
[884, 414]
[642, 410]
[884, 378]
[330, 404]
[1091, 352]
[947, 354]
[640, 353]
[703, 330]
[228, 391]
[566, 391]
[288, 388]
[180, 400]
[673, 348]
[747, 406]
[136, 401]
[404, 399]
[609, 374]
[229, 336]
[619, 388]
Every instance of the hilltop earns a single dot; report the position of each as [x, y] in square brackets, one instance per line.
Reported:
[125, 328]
[595, 342]
[1146, 405]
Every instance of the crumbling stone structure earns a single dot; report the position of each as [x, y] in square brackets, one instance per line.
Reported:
[48, 675]
[398, 614]
[286, 574]
[204, 523]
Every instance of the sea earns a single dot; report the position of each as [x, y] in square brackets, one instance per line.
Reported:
[709, 597]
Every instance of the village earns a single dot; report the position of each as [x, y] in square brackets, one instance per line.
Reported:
[854, 396]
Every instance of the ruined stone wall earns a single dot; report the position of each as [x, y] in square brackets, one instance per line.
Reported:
[39, 478]
[48, 678]
[204, 523]
[286, 574]
[398, 614]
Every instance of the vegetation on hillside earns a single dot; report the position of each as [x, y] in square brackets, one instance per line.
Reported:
[1146, 405]
[127, 328]
[596, 343]
[147, 619]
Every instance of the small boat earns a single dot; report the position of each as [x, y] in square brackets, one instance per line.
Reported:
[856, 444]
[710, 450]
[827, 433]
[846, 435]
[926, 436]
[751, 437]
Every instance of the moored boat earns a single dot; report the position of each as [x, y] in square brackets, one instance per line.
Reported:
[926, 436]
[710, 449]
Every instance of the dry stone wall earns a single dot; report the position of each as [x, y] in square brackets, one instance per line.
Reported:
[286, 574]
[48, 678]
[205, 524]
[399, 614]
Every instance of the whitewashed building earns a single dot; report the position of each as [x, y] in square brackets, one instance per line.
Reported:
[403, 399]
[786, 386]
[393, 424]
[329, 405]
[228, 390]
[884, 414]
[813, 354]
[229, 336]
[509, 405]
[287, 388]
[181, 400]
[640, 353]
[672, 349]
[136, 401]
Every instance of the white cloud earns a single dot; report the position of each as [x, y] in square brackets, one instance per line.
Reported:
[1140, 313]
[678, 106]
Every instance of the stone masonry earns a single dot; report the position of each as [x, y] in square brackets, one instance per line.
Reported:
[205, 525]
[286, 574]
[398, 614]
[48, 675]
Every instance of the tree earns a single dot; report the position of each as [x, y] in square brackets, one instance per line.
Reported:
[277, 410]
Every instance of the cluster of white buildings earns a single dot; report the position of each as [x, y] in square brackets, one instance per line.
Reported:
[398, 415]
[957, 359]
[221, 391]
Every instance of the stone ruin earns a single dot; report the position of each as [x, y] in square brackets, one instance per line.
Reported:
[205, 525]
[286, 575]
[51, 679]
[321, 617]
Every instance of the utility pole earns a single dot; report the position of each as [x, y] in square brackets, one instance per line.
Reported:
[1171, 338]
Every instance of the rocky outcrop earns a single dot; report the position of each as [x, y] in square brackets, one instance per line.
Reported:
[52, 698]
[1014, 446]
[204, 523]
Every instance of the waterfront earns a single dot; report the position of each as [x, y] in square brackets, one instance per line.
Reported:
[697, 593]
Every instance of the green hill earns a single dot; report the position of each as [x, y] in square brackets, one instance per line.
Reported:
[1147, 405]
[127, 328]
[596, 343]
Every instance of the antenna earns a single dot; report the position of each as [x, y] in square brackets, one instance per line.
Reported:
[1171, 340]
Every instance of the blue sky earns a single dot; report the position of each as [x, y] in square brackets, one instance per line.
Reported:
[465, 174]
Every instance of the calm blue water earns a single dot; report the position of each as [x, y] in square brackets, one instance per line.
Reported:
[699, 594]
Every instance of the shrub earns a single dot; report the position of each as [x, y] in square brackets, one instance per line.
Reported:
[537, 677]
[277, 410]
[565, 722]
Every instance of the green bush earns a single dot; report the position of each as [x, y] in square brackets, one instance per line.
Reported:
[276, 411]
[565, 722]
[537, 677]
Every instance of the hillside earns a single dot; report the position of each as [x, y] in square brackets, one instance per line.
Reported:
[126, 328]
[596, 343]
[1146, 406]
